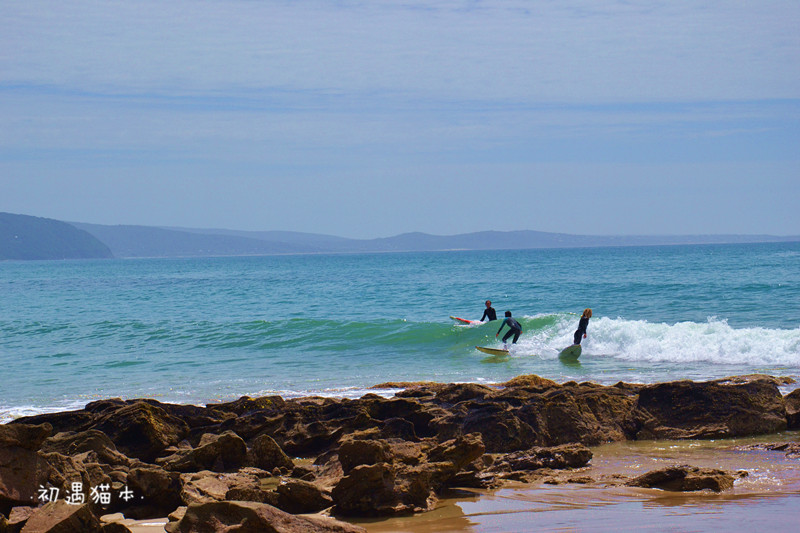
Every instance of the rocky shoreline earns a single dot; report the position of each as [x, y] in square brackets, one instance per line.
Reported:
[272, 463]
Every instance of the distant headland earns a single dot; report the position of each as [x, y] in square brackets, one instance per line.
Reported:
[25, 237]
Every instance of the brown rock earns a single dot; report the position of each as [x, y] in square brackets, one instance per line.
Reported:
[246, 404]
[18, 517]
[142, 430]
[500, 428]
[369, 490]
[460, 392]
[25, 436]
[685, 478]
[353, 453]
[406, 481]
[92, 445]
[557, 457]
[531, 381]
[156, 492]
[115, 527]
[250, 517]
[791, 449]
[65, 470]
[202, 487]
[298, 496]
[792, 403]
[588, 414]
[61, 517]
[685, 409]
[22, 469]
[209, 486]
[265, 453]
[218, 453]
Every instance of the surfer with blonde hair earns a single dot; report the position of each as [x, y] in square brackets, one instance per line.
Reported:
[584, 322]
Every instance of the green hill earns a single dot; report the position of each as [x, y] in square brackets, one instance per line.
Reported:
[27, 237]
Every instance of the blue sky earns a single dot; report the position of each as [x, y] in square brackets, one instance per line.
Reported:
[369, 119]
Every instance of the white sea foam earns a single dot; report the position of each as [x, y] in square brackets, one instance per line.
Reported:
[713, 341]
[9, 413]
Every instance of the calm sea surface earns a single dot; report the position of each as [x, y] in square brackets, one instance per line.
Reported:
[200, 330]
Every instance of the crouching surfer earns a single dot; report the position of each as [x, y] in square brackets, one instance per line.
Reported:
[513, 329]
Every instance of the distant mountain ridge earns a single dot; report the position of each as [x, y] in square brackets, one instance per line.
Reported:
[144, 241]
[82, 240]
[24, 237]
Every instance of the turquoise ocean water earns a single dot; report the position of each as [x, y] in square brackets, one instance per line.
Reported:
[201, 330]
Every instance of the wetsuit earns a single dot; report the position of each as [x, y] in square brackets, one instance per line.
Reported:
[581, 331]
[514, 329]
[490, 313]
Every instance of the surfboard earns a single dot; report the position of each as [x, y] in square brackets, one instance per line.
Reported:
[465, 321]
[491, 351]
[571, 352]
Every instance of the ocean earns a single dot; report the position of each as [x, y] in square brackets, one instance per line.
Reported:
[214, 329]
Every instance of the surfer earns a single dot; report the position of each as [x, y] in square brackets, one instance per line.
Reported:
[584, 322]
[489, 312]
[514, 329]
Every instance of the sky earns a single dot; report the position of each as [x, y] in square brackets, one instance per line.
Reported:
[373, 118]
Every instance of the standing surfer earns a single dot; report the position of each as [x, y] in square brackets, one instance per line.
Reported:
[489, 312]
[514, 329]
[584, 322]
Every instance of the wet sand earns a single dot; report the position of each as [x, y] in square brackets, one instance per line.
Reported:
[767, 499]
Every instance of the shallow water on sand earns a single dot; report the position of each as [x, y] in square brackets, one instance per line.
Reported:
[767, 499]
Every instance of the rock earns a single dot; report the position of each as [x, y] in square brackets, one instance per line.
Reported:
[250, 517]
[25, 436]
[369, 490]
[174, 517]
[65, 470]
[353, 453]
[18, 517]
[557, 457]
[531, 381]
[587, 413]
[500, 429]
[402, 477]
[265, 453]
[791, 449]
[202, 487]
[22, 469]
[792, 403]
[246, 404]
[209, 486]
[157, 492]
[460, 392]
[218, 453]
[684, 409]
[459, 452]
[297, 496]
[61, 517]
[92, 445]
[115, 527]
[142, 430]
[685, 478]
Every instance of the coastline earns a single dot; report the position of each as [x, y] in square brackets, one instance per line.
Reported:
[492, 458]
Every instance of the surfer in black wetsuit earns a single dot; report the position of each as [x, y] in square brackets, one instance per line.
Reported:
[489, 312]
[584, 322]
[514, 328]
